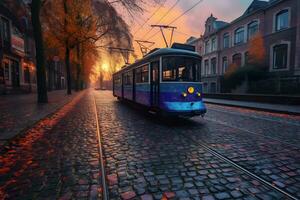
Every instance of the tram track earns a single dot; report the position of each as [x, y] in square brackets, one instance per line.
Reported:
[256, 117]
[105, 194]
[240, 168]
[252, 132]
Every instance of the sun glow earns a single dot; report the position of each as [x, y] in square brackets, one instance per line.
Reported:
[105, 67]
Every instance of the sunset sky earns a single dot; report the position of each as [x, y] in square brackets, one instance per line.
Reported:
[191, 24]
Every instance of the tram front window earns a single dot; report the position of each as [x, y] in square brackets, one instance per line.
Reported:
[181, 69]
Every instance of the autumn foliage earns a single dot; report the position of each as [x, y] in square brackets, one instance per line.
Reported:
[257, 51]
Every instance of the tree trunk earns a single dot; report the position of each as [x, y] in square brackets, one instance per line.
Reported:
[78, 68]
[40, 56]
[67, 52]
[68, 69]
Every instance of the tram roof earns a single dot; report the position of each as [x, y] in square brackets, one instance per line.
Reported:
[162, 52]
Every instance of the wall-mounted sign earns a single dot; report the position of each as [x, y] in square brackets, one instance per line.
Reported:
[17, 44]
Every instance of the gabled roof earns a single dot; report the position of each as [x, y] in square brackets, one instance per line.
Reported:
[219, 24]
[256, 5]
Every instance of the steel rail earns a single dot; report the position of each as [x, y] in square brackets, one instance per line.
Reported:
[252, 132]
[239, 167]
[103, 174]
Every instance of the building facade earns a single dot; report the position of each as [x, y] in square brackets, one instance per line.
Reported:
[17, 52]
[226, 44]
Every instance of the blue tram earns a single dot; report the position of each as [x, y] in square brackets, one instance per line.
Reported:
[166, 80]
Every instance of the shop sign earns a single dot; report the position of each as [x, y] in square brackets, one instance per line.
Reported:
[17, 44]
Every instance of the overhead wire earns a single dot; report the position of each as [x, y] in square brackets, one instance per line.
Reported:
[170, 9]
[178, 17]
[145, 22]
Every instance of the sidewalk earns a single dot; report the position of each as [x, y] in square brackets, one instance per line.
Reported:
[18, 112]
[295, 110]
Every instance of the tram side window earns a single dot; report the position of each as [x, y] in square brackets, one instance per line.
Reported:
[142, 74]
[128, 78]
[181, 69]
[117, 80]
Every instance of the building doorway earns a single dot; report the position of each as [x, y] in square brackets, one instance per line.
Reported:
[15, 73]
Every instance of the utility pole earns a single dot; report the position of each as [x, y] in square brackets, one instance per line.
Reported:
[124, 53]
[162, 27]
[145, 46]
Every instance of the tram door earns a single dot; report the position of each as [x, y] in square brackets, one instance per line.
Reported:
[154, 69]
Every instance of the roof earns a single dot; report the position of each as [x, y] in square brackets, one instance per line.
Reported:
[162, 52]
[256, 5]
[219, 24]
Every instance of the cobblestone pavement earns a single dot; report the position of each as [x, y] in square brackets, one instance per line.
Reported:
[19, 112]
[58, 158]
[148, 158]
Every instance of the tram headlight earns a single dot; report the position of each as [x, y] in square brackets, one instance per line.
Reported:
[198, 94]
[191, 90]
[184, 94]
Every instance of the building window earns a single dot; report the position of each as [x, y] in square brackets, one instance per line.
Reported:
[213, 66]
[214, 44]
[206, 67]
[207, 47]
[282, 20]
[280, 56]
[252, 29]
[5, 29]
[226, 40]
[237, 59]
[239, 36]
[26, 75]
[225, 64]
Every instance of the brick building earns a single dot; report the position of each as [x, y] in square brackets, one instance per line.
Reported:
[223, 44]
[17, 51]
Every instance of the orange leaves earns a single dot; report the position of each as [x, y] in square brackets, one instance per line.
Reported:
[257, 51]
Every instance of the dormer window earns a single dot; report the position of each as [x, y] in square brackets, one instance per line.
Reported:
[282, 20]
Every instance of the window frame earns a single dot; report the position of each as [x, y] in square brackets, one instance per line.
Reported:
[239, 31]
[213, 44]
[277, 14]
[249, 27]
[271, 67]
[198, 69]
[207, 47]
[143, 69]
[226, 36]
[213, 72]
[241, 57]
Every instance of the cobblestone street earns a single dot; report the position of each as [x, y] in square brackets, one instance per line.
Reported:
[231, 153]
[152, 158]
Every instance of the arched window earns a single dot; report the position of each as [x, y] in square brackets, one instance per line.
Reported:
[239, 35]
[252, 29]
[282, 20]
[225, 64]
[237, 59]
[226, 40]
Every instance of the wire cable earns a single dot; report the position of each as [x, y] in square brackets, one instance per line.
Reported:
[177, 18]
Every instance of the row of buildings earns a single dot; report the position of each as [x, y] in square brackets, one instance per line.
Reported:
[224, 44]
[17, 52]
